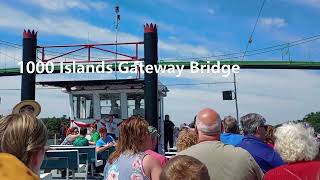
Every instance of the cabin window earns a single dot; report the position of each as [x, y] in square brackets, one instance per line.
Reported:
[83, 106]
[135, 104]
[110, 105]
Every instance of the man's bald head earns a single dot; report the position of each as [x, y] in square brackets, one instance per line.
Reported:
[208, 122]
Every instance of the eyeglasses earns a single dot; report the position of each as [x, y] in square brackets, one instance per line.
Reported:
[264, 126]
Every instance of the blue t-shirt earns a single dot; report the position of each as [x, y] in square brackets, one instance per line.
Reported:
[102, 142]
[265, 156]
[232, 139]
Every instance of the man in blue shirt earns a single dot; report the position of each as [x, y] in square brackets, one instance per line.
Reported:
[255, 130]
[105, 142]
[231, 131]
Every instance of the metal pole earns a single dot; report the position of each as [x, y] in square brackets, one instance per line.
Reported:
[117, 25]
[235, 95]
[116, 51]
[151, 79]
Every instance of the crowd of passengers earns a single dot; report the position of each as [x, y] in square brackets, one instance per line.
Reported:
[211, 148]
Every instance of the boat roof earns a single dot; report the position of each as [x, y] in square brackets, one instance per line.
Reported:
[64, 84]
[100, 84]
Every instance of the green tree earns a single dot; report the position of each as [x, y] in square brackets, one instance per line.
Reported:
[313, 119]
[53, 124]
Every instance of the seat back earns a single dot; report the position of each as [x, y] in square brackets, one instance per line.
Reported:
[105, 154]
[61, 159]
[86, 153]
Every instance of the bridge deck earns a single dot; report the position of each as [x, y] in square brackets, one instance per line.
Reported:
[243, 64]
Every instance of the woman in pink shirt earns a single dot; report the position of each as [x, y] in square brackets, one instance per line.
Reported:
[152, 142]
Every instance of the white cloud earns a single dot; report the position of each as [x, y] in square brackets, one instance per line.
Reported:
[173, 38]
[56, 104]
[9, 57]
[279, 95]
[309, 3]
[163, 26]
[184, 49]
[181, 49]
[79, 29]
[273, 22]
[62, 5]
[65, 26]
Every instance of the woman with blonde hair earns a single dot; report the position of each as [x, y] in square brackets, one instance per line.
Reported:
[186, 168]
[298, 146]
[129, 160]
[23, 138]
[186, 138]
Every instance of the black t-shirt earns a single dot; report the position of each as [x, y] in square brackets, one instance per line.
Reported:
[168, 127]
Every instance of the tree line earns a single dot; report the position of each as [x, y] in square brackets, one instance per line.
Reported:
[53, 124]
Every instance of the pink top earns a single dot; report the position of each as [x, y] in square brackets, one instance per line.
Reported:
[162, 159]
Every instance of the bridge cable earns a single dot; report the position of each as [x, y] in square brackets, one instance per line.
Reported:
[254, 28]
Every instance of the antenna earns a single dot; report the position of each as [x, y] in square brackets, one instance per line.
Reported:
[88, 38]
[117, 10]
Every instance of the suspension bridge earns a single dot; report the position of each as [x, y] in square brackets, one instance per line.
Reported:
[309, 65]
[70, 53]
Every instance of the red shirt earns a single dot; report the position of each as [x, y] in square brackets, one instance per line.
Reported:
[302, 170]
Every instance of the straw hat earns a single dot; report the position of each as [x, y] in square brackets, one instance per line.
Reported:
[34, 105]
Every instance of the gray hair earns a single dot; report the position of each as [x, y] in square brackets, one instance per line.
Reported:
[251, 122]
[230, 125]
[209, 129]
[295, 142]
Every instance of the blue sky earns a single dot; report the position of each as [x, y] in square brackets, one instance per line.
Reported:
[186, 29]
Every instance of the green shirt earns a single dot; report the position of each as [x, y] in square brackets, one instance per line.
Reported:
[95, 137]
[81, 141]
